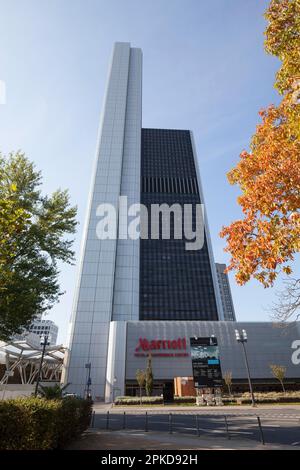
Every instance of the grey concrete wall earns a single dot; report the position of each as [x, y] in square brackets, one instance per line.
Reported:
[267, 344]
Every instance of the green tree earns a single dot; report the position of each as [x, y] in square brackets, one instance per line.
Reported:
[279, 373]
[33, 230]
[141, 379]
[149, 377]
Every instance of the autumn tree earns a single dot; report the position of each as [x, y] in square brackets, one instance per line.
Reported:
[279, 373]
[282, 40]
[228, 380]
[141, 380]
[33, 230]
[264, 241]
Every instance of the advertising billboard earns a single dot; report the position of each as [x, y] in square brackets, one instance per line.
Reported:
[206, 362]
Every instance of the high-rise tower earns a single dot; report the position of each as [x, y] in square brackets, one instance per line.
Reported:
[225, 292]
[127, 279]
[175, 283]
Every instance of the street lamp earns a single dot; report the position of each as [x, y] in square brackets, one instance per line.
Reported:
[242, 338]
[114, 389]
[45, 341]
[88, 366]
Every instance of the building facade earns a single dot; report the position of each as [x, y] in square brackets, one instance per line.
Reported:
[225, 293]
[108, 281]
[45, 328]
[175, 283]
[37, 329]
[169, 345]
[125, 279]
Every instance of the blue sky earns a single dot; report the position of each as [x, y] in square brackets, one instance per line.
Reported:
[204, 69]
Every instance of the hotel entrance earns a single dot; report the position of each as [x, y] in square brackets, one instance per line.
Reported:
[168, 391]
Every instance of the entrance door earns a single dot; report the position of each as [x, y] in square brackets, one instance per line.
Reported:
[168, 391]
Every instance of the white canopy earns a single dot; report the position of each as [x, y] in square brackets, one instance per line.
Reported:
[25, 355]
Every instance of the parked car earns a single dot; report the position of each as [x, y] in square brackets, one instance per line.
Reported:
[71, 395]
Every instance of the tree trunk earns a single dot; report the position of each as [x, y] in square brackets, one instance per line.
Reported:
[140, 395]
[281, 381]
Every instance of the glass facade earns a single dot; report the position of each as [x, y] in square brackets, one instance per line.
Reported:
[175, 283]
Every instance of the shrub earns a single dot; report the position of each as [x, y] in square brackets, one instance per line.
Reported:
[76, 412]
[138, 401]
[52, 392]
[269, 397]
[264, 398]
[185, 399]
[36, 423]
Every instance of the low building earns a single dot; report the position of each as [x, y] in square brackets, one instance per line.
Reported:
[130, 343]
[45, 328]
[39, 328]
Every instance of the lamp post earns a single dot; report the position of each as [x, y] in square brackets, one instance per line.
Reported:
[114, 389]
[242, 338]
[88, 366]
[45, 341]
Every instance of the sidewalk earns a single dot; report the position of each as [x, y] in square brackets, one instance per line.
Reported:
[101, 407]
[138, 440]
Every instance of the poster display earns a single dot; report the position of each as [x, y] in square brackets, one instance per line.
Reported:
[206, 362]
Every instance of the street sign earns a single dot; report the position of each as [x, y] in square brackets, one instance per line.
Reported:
[206, 362]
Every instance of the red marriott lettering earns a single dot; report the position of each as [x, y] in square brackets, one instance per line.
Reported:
[146, 345]
[161, 347]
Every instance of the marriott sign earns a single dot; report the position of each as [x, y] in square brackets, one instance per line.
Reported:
[161, 347]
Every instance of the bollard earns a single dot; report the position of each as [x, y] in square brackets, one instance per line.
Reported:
[124, 420]
[227, 428]
[170, 423]
[146, 422]
[107, 420]
[197, 426]
[261, 431]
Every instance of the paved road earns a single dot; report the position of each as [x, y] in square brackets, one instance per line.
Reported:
[279, 426]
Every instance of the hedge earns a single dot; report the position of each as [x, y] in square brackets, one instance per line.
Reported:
[137, 401]
[263, 398]
[39, 424]
[187, 399]
[241, 399]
